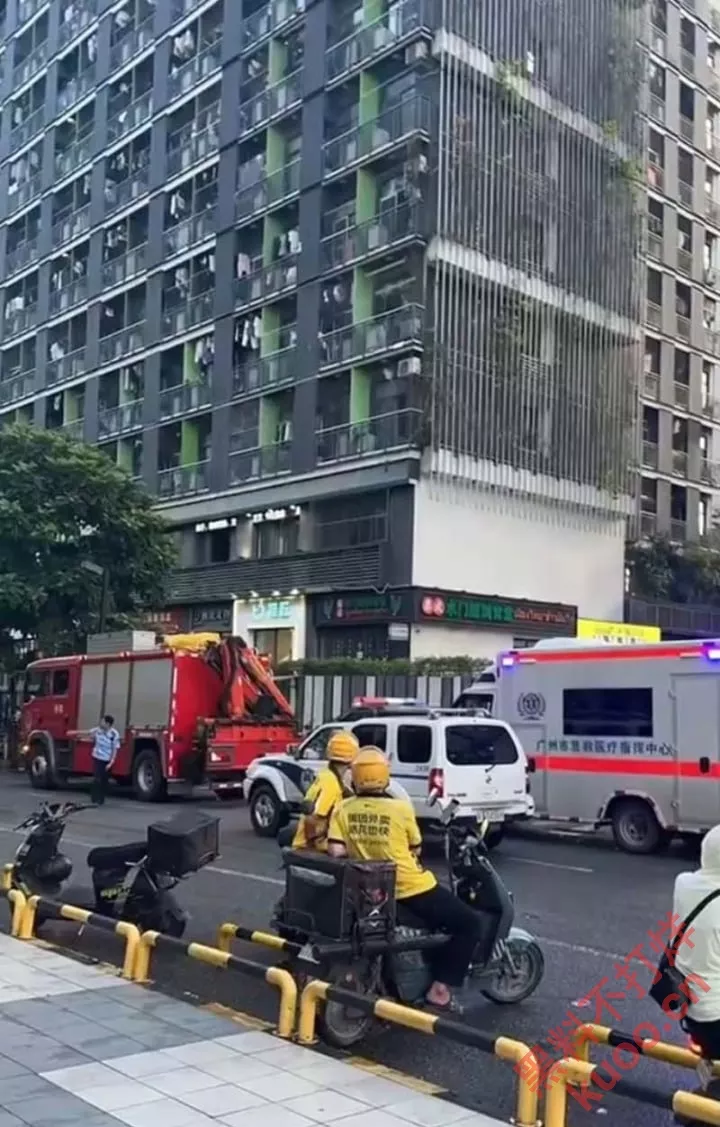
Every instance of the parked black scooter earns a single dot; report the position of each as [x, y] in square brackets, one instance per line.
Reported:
[132, 882]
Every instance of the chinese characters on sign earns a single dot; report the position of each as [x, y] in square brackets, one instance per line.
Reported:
[607, 747]
[278, 610]
[538, 1067]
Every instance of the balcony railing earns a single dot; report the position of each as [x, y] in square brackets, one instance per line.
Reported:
[82, 16]
[650, 455]
[270, 19]
[648, 524]
[17, 387]
[653, 314]
[265, 461]
[118, 345]
[182, 480]
[180, 314]
[684, 262]
[27, 9]
[380, 434]
[195, 229]
[710, 473]
[680, 462]
[273, 189]
[23, 133]
[267, 282]
[74, 429]
[687, 127]
[357, 343]
[651, 385]
[712, 341]
[113, 421]
[129, 117]
[657, 108]
[678, 531]
[120, 193]
[68, 296]
[189, 145]
[22, 255]
[24, 193]
[20, 321]
[180, 8]
[391, 227]
[683, 326]
[272, 103]
[393, 126]
[76, 155]
[384, 34]
[65, 367]
[118, 270]
[76, 89]
[184, 398]
[30, 65]
[267, 372]
[135, 41]
[710, 408]
[70, 224]
[682, 395]
[195, 70]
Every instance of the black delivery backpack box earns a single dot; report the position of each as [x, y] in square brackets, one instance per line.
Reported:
[184, 844]
[337, 898]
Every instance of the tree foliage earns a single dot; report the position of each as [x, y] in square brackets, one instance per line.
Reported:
[64, 505]
[663, 571]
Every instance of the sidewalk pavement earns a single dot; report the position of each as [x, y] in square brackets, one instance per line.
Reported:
[80, 1047]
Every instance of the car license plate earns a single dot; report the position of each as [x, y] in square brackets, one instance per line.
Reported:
[487, 815]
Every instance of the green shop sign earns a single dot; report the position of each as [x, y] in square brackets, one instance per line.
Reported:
[481, 610]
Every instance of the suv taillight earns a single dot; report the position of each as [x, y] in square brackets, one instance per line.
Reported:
[437, 782]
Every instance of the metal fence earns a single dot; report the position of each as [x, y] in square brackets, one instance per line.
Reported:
[317, 699]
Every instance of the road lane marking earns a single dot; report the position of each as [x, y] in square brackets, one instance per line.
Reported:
[547, 864]
[244, 876]
[594, 951]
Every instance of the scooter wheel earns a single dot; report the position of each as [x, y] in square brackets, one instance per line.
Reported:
[339, 1025]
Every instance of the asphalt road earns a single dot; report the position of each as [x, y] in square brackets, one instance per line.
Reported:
[588, 905]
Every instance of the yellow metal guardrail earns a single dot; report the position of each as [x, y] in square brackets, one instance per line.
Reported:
[590, 1034]
[6, 878]
[54, 910]
[228, 931]
[19, 907]
[214, 957]
[386, 1010]
[570, 1073]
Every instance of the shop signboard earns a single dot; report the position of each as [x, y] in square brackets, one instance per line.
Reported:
[491, 611]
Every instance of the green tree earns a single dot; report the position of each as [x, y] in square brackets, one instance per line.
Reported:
[64, 505]
[667, 572]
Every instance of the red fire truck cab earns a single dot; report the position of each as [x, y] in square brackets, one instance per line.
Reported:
[192, 710]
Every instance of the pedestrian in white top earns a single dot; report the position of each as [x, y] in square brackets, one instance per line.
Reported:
[699, 954]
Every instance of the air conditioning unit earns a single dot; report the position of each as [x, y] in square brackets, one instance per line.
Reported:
[409, 366]
[416, 52]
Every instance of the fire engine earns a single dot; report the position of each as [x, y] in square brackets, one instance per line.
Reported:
[622, 735]
[190, 710]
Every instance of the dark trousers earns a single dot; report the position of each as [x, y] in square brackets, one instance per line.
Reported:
[100, 781]
[707, 1035]
[439, 910]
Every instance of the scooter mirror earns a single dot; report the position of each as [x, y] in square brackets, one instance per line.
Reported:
[483, 825]
[433, 796]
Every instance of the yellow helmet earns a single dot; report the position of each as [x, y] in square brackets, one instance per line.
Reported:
[342, 747]
[370, 771]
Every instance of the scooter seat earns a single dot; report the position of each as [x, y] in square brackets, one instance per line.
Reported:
[108, 856]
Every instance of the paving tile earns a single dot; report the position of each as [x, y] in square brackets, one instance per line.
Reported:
[163, 1113]
[106, 1047]
[179, 1081]
[324, 1106]
[58, 1108]
[289, 1057]
[8, 1120]
[428, 1111]
[167, 1037]
[238, 1069]
[375, 1117]
[272, 1116]
[145, 1064]
[248, 1042]
[28, 1085]
[85, 1076]
[223, 1100]
[377, 1092]
[125, 1093]
[201, 1052]
[328, 1073]
[274, 1089]
[10, 1068]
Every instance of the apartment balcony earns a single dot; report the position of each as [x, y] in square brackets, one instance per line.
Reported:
[710, 473]
[651, 385]
[130, 117]
[272, 190]
[70, 224]
[195, 70]
[655, 243]
[69, 296]
[74, 157]
[266, 373]
[684, 261]
[687, 127]
[656, 177]
[382, 233]
[275, 17]
[712, 341]
[181, 481]
[83, 16]
[25, 132]
[713, 146]
[686, 193]
[131, 44]
[121, 344]
[74, 429]
[126, 266]
[653, 315]
[184, 399]
[20, 321]
[264, 461]
[115, 421]
[190, 145]
[24, 193]
[710, 408]
[181, 8]
[648, 524]
[30, 65]
[189, 232]
[657, 109]
[687, 62]
[649, 455]
[21, 256]
[120, 193]
[390, 332]
[268, 282]
[27, 9]
[377, 435]
[182, 312]
[678, 531]
[271, 104]
[76, 89]
[375, 138]
[713, 85]
[16, 387]
[712, 210]
[679, 463]
[715, 18]
[683, 327]
[66, 367]
[682, 395]
[368, 44]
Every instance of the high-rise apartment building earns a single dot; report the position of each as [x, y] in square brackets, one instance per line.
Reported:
[680, 459]
[353, 286]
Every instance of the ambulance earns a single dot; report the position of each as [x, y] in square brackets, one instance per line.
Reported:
[625, 736]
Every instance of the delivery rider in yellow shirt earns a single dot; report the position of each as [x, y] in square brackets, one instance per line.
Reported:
[325, 792]
[373, 826]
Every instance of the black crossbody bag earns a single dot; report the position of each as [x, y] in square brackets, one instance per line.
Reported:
[669, 989]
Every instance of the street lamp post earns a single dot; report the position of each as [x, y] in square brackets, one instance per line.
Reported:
[104, 576]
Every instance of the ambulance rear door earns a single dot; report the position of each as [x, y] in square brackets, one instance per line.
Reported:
[696, 739]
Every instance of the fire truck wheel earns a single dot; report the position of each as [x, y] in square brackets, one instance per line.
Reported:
[147, 777]
[635, 827]
[39, 769]
[265, 811]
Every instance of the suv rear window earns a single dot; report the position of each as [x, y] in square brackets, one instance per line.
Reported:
[475, 700]
[472, 745]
